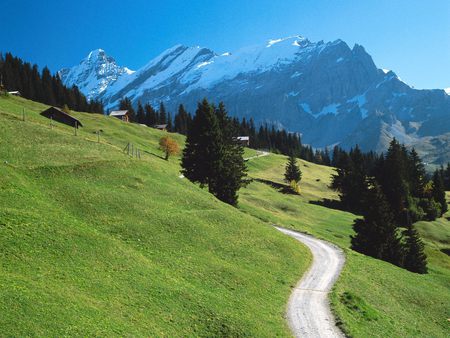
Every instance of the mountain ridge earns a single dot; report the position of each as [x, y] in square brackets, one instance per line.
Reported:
[327, 91]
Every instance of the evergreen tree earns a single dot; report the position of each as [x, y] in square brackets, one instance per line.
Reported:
[415, 257]
[438, 191]
[201, 155]
[169, 122]
[292, 172]
[350, 180]
[140, 114]
[162, 114]
[376, 233]
[150, 115]
[417, 174]
[182, 120]
[232, 169]
[212, 156]
[447, 178]
[393, 178]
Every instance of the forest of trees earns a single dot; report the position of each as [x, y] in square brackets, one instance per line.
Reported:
[212, 156]
[17, 75]
[264, 137]
[391, 191]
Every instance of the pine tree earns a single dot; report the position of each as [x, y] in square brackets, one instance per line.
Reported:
[150, 115]
[417, 174]
[447, 178]
[212, 156]
[182, 120]
[438, 191]
[393, 178]
[376, 233]
[350, 180]
[201, 155]
[169, 122]
[292, 172]
[232, 169]
[415, 257]
[162, 114]
[140, 114]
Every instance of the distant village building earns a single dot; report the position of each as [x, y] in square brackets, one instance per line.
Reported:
[244, 140]
[121, 115]
[58, 115]
[15, 93]
[160, 127]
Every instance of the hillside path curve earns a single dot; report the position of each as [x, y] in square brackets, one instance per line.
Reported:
[308, 312]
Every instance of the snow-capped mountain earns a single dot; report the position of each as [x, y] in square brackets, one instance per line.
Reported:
[331, 93]
[94, 74]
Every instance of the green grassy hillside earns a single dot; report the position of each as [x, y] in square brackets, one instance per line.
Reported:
[372, 298]
[96, 243]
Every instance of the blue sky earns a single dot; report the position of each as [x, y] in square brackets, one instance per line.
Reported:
[410, 37]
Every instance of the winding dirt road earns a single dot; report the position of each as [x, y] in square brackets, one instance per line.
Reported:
[308, 312]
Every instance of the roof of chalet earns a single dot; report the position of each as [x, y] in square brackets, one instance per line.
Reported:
[243, 138]
[118, 113]
[60, 111]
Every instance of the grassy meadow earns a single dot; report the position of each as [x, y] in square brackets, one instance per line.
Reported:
[96, 243]
[372, 298]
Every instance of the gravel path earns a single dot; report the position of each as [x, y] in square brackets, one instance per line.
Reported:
[308, 310]
[259, 153]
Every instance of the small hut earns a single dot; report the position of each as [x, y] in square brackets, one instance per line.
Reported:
[121, 115]
[243, 140]
[58, 115]
[15, 93]
[162, 127]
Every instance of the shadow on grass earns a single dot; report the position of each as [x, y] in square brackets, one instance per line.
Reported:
[283, 188]
[331, 204]
[153, 154]
[446, 251]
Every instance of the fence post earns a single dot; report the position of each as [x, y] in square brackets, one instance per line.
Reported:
[23, 114]
[98, 136]
[51, 122]
[75, 128]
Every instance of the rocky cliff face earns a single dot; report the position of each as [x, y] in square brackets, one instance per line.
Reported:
[329, 92]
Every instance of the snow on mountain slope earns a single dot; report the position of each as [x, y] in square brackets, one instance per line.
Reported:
[94, 74]
[331, 93]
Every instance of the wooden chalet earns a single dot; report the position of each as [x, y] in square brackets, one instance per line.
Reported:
[244, 140]
[121, 115]
[58, 115]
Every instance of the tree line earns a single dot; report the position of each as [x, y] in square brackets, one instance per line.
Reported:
[265, 137]
[391, 191]
[17, 75]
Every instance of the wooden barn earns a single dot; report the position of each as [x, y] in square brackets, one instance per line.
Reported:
[121, 115]
[58, 115]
